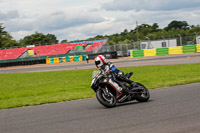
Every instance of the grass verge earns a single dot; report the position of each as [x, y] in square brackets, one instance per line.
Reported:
[25, 89]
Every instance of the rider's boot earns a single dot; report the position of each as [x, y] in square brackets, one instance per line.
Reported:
[130, 82]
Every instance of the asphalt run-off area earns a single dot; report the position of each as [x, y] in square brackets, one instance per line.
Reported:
[169, 110]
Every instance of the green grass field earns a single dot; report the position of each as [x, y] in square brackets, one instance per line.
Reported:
[24, 89]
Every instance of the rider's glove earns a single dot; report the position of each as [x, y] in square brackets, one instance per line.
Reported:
[108, 72]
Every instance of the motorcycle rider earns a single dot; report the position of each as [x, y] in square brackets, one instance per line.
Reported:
[108, 67]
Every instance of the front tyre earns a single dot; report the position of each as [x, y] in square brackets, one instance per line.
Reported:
[108, 100]
[144, 95]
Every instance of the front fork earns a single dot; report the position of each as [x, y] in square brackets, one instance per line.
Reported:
[105, 91]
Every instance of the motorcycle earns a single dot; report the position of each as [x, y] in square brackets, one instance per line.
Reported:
[109, 93]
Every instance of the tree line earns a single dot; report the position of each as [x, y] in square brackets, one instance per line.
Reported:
[141, 32]
[152, 32]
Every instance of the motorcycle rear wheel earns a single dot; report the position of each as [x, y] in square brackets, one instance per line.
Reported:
[107, 101]
[144, 95]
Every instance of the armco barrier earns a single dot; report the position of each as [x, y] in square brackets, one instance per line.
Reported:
[131, 53]
[189, 49]
[51, 60]
[83, 57]
[76, 58]
[150, 52]
[198, 48]
[138, 53]
[67, 59]
[71, 58]
[48, 61]
[80, 58]
[64, 59]
[166, 51]
[60, 59]
[162, 51]
[56, 60]
[176, 50]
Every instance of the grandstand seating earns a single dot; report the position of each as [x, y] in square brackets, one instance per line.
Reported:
[51, 49]
[6, 54]
[94, 46]
[46, 50]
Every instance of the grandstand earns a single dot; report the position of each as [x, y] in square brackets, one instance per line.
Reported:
[7, 54]
[42, 52]
[95, 46]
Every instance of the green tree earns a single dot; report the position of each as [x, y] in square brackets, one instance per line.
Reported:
[51, 39]
[6, 40]
[177, 25]
[125, 32]
[64, 41]
[155, 27]
[39, 39]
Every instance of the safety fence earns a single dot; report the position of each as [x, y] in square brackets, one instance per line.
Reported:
[198, 48]
[166, 51]
[65, 59]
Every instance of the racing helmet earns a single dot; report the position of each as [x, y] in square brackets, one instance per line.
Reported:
[100, 60]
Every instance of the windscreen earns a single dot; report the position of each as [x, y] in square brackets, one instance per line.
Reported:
[94, 73]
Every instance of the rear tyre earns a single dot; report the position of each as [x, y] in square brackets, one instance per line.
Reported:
[142, 96]
[108, 101]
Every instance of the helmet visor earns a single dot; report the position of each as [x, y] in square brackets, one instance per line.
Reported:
[97, 63]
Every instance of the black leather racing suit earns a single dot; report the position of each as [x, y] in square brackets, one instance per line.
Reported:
[117, 74]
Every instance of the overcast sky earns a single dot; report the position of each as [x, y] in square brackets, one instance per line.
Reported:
[81, 19]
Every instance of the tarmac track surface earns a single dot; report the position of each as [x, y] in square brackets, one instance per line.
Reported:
[121, 62]
[170, 110]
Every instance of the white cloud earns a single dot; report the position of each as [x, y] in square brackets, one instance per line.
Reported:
[21, 34]
[151, 5]
[85, 31]
[62, 20]
[18, 24]
[8, 15]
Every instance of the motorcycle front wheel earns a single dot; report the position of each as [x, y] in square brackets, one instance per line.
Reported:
[107, 100]
[144, 95]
